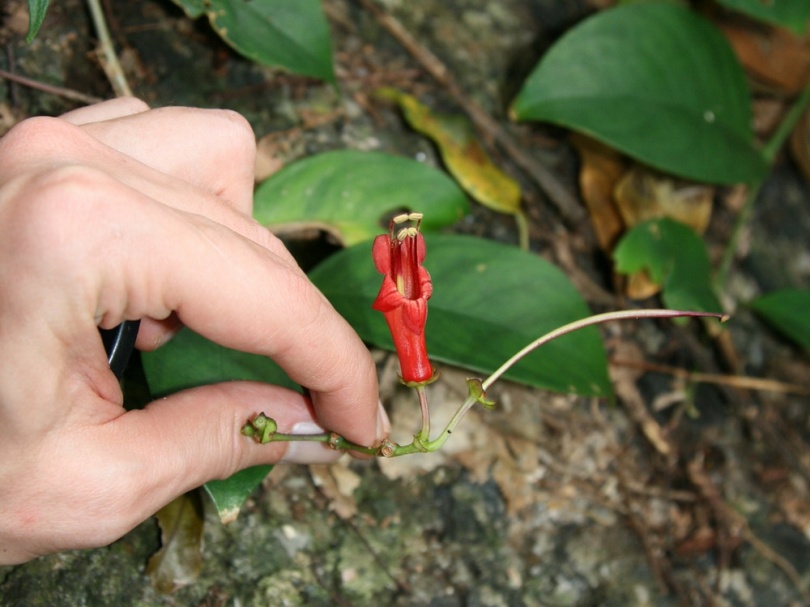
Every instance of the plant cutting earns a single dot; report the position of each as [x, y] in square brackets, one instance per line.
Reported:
[403, 299]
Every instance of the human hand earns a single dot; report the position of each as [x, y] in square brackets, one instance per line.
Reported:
[116, 212]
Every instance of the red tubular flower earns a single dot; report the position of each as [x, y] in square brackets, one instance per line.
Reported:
[403, 295]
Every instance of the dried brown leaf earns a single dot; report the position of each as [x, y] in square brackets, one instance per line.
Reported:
[179, 560]
[600, 169]
[337, 482]
[642, 194]
[772, 56]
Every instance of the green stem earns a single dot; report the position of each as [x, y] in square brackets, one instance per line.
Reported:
[424, 434]
[769, 151]
[263, 428]
[587, 322]
[523, 229]
[439, 441]
[109, 60]
[330, 438]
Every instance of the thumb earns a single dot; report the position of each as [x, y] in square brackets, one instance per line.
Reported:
[194, 436]
[106, 476]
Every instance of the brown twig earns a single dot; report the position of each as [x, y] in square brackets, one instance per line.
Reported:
[562, 199]
[729, 521]
[49, 88]
[649, 542]
[734, 381]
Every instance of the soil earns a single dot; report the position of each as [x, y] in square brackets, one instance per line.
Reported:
[678, 493]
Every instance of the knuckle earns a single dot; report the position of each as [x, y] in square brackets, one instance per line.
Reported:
[238, 136]
[238, 125]
[38, 138]
[54, 206]
[63, 195]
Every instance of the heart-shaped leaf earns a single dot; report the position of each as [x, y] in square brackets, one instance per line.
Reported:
[190, 360]
[292, 34]
[656, 82]
[351, 193]
[792, 14]
[786, 310]
[675, 258]
[489, 300]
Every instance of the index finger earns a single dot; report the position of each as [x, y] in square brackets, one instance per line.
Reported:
[240, 293]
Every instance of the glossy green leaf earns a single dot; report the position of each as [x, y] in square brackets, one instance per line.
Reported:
[36, 15]
[787, 311]
[229, 494]
[675, 257]
[792, 14]
[351, 193]
[655, 81]
[489, 300]
[179, 560]
[292, 34]
[190, 360]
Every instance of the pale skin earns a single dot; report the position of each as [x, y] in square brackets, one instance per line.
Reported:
[116, 212]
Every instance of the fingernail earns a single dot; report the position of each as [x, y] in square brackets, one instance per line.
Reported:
[383, 423]
[304, 452]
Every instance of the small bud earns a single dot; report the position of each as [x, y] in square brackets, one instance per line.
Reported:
[262, 423]
[334, 441]
[387, 448]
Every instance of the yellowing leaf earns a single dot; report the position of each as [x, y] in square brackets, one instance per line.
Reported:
[464, 157]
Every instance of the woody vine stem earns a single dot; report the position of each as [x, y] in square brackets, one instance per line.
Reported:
[403, 299]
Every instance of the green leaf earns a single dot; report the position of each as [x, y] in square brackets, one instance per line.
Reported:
[786, 310]
[351, 193]
[230, 494]
[675, 257]
[192, 8]
[792, 14]
[489, 300]
[292, 34]
[190, 360]
[656, 82]
[179, 560]
[36, 15]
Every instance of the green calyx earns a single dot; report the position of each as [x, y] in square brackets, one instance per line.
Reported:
[477, 393]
